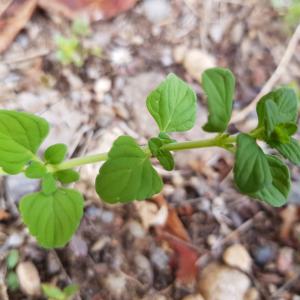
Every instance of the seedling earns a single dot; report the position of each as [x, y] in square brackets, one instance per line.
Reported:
[54, 293]
[11, 277]
[54, 213]
[72, 50]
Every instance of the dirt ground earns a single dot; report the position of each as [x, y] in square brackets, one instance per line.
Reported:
[177, 245]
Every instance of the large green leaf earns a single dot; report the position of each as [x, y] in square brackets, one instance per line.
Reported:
[251, 169]
[219, 85]
[127, 174]
[54, 218]
[276, 192]
[286, 101]
[21, 134]
[290, 151]
[173, 105]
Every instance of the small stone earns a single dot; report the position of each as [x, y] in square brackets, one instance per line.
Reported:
[120, 56]
[15, 240]
[285, 260]
[53, 266]
[144, 269]
[237, 33]
[252, 294]
[238, 256]
[196, 61]
[29, 278]
[102, 86]
[264, 254]
[116, 284]
[157, 10]
[193, 297]
[159, 258]
[136, 229]
[78, 246]
[179, 53]
[219, 282]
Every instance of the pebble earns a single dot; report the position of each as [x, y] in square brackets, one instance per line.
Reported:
[157, 11]
[15, 240]
[116, 284]
[102, 86]
[144, 269]
[120, 56]
[216, 283]
[196, 61]
[237, 256]
[78, 246]
[136, 229]
[252, 294]
[193, 297]
[159, 258]
[29, 278]
[285, 260]
[53, 266]
[264, 254]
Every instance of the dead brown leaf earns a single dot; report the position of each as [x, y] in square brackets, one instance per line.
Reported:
[94, 9]
[13, 18]
[4, 215]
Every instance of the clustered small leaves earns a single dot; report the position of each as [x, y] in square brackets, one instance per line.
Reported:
[54, 213]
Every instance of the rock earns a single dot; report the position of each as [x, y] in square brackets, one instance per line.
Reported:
[219, 282]
[102, 86]
[196, 61]
[238, 256]
[78, 246]
[144, 269]
[29, 278]
[252, 294]
[159, 258]
[120, 56]
[53, 265]
[179, 53]
[136, 229]
[116, 284]
[15, 240]
[264, 254]
[157, 10]
[285, 260]
[193, 297]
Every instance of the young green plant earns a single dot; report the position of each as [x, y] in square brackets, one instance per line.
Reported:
[127, 174]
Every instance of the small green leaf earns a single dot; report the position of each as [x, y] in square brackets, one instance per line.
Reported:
[12, 259]
[54, 218]
[173, 105]
[67, 176]
[282, 133]
[52, 292]
[286, 101]
[71, 290]
[251, 169]
[35, 170]
[49, 184]
[12, 281]
[127, 174]
[164, 157]
[219, 86]
[290, 151]
[21, 134]
[55, 154]
[276, 192]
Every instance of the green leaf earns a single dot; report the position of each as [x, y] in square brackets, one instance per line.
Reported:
[54, 218]
[276, 192]
[35, 170]
[127, 174]
[282, 133]
[67, 176]
[173, 105]
[219, 86]
[49, 184]
[12, 259]
[21, 134]
[164, 157]
[12, 281]
[55, 154]
[290, 151]
[251, 169]
[52, 292]
[286, 101]
[71, 290]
